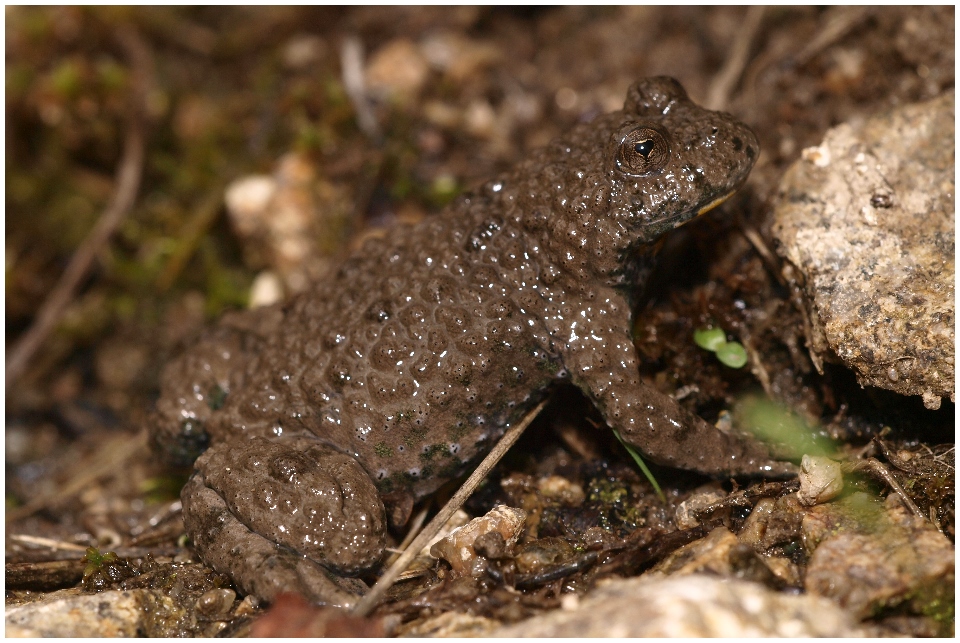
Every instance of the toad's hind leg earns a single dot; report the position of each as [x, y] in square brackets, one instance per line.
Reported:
[288, 515]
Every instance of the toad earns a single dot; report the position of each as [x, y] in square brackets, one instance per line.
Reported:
[319, 419]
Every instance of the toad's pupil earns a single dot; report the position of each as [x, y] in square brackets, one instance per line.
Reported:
[644, 147]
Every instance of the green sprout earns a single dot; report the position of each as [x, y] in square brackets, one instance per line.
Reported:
[95, 560]
[714, 340]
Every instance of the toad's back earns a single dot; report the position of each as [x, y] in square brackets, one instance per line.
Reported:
[414, 358]
[428, 343]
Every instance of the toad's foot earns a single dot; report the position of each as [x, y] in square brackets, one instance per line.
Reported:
[671, 435]
[288, 516]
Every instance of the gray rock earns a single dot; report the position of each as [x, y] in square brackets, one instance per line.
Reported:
[450, 625]
[870, 560]
[696, 605]
[68, 614]
[866, 224]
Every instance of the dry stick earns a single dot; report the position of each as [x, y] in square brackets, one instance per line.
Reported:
[46, 542]
[129, 173]
[190, 236]
[726, 80]
[773, 266]
[351, 64]
[110, 457]
[369, 600]
[872, 465]
[839, 22]
[415, 526]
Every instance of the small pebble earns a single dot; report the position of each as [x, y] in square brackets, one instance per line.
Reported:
[216, 603]
[820, 480]
[458, 548]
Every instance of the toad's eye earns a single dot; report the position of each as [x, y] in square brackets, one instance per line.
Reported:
[642, 150]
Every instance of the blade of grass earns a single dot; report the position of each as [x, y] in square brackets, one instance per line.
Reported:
[643, 466]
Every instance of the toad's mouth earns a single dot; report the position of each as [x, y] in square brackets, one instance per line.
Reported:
[714, 203]
[677, 220]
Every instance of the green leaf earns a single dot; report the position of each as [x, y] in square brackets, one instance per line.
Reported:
[709, 338]
[732, 354]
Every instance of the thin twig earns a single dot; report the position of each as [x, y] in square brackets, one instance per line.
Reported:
[764, 251]
[370, 600]
[839, 22]
[190, 236]
[726, 80]
[109, 458]
[415, 526]
[46, 542]
[874, 466]
[129, 173]
[351, 66]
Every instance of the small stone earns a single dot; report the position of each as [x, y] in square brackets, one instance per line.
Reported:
[930, 400]
[267, 289]
[569, 602]
[216, 603]
[458, 547]
[491, 545]
[290, 222]
[303, 50]
[773, 522]
[397, 69]
[544, 553]
[248, 606]
[562, 489]
[755, 525]
[459, 58]
[247, 198]
[720, 552]
[687, 514]
[480, 119]
[820, 480]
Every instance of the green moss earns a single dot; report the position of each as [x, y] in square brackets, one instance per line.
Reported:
[382, 450]
[607, 492]
[548, 365]
[443, 190]
[938, 602]
[111, 75]
[163, 488]
[613, 500]
[415, 437]
[66, 79]
[455, 433]
[216, 396]
[433, 451]
[19, 79]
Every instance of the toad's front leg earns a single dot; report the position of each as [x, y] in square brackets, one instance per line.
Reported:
[289, 515]
[602, 362]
